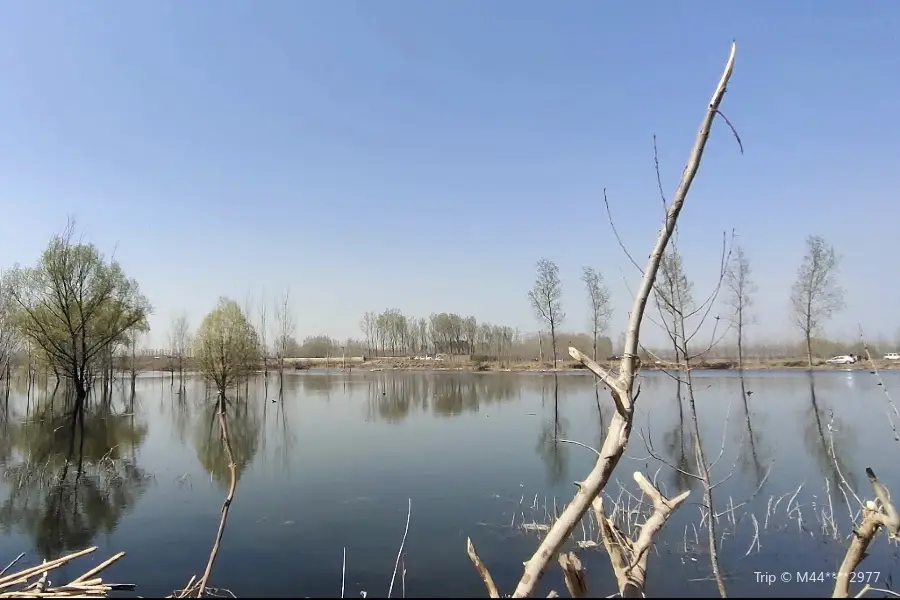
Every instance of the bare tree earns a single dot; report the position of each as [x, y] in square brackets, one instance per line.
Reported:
[674, 295]
[7, 337]
[133, 335]
[742, 287]
[180, 343]
[676, 306]
[598, 298]
[621, 386]
[264, 342]
[284, 326]
[816, 295]
[546, 298]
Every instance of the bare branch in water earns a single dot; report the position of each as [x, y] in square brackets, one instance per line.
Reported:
[874, 518]
[400, 552]
[629, 558]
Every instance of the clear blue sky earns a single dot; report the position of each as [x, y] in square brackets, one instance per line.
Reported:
[424, 155]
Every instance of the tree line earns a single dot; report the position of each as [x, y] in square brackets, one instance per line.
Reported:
[815, 298]
[74, 312]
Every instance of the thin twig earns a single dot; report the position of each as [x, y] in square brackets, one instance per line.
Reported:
[400, 553]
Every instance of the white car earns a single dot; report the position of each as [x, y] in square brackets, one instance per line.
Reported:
[841, 360]
[892, 356]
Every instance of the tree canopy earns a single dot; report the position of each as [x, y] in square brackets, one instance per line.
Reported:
[227, 345]
[73, 304]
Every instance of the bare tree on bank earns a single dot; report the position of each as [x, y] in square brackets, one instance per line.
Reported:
[742, 287]
[180, 342]
[631, 575]
[816, 295]
[546, 298]
[598, 298]
[284, 327]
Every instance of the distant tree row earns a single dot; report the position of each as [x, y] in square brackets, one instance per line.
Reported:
[74, 311]
[815, 297]
[391, 333]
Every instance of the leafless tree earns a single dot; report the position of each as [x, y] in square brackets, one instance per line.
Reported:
[676, 308]
[623, 394]
[180, 344]
[742, 287]
[264, 342]
[7, 336]
[598, 299]
[546, 296]
[674, 295]
[284, 326]
[816, 295]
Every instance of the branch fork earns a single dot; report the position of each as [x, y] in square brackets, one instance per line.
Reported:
[629, 557]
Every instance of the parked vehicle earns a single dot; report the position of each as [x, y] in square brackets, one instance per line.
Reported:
[845, 359]
[892, 356]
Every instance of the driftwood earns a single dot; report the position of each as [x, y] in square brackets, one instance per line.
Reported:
[874, 518]
[629, 557]
[622, 387]
[87, 585]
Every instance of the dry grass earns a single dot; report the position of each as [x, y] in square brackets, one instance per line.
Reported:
[807, 514]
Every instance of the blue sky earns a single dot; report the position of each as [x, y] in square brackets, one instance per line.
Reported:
[424, 155]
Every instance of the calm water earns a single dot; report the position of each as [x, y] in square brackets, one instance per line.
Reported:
[335, 465]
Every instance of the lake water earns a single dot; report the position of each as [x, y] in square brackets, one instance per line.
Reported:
[334, 467]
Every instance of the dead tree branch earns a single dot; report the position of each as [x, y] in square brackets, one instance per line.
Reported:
[622, 387]
[874, 518]
[629, 558]
[573, 573]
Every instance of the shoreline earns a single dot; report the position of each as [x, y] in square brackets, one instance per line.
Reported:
[466, 366]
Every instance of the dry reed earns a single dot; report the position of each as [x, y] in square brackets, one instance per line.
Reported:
[88, 585]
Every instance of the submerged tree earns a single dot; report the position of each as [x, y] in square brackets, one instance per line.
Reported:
[227, 345]
[180, 343]
[816, 295]
[73, 305]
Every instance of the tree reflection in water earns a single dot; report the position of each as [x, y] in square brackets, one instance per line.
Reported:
[67, 484]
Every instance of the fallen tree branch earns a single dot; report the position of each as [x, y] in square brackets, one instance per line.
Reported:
[88, 585]
[874, 518]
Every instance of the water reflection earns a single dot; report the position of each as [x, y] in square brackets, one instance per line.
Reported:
[63, 504]
[554, 453]
[826, 437]
[758, 459]
[488, 438]
[393, 399]
[244, 427]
